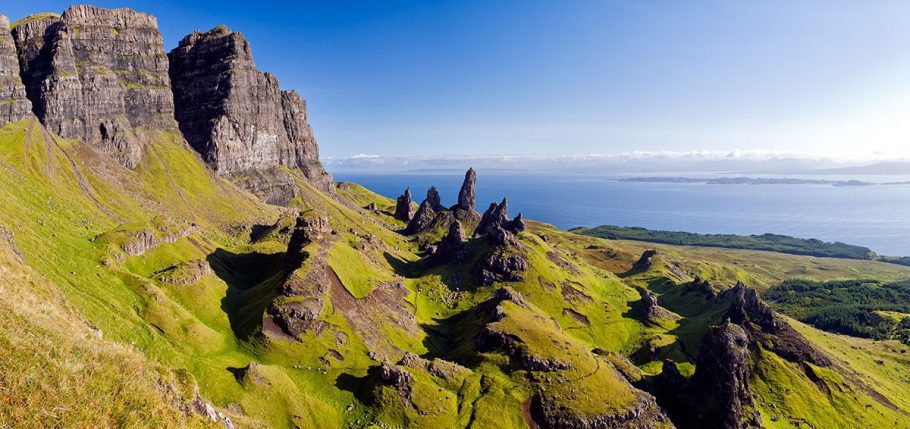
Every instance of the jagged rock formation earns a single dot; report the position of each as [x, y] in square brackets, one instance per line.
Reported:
[702, 286]
[302, 312]
[502, 264]
[422, 219]
[434, 200]
[495, 223]
[721, 379]
[508, 318]
[645, 261]
[97, 75]
[764, 326]
[453, 243]
[14, 105]
[651, 309]
[719, 389]
[236, 116]
[403, 206]
[467, 196]
[306, 230]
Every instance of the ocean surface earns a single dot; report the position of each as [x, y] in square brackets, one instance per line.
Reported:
[876, 216]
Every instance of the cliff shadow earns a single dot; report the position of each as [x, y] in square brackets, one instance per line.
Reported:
[361, 387]
[252, 279]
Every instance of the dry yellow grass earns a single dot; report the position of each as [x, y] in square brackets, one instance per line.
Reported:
[56, 371]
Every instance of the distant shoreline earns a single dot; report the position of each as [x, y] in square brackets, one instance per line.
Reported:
[755, 181]
[765, 242]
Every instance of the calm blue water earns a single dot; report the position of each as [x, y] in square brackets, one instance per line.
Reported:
[877, 217]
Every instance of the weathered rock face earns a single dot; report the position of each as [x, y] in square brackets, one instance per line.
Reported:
[653, 310]
[14, 105]
[764, 326]
[422, 219]
[453, 242]
[97, 75]
[306, 230]
[495, 223]
[433, 198]
[699, 285]
[645, 261]
[236, 116]
[467, 196]
[721, 379]
[403, 206]
[502, 264]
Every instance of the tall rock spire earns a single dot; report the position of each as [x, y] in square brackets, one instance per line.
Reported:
[403, 206]
[467, 196]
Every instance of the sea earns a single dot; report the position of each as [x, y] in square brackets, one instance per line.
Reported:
[875, 216]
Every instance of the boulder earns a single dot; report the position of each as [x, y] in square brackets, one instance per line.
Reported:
[651, 309]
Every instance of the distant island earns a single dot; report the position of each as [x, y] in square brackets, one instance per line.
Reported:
[766, 242]
[755, 181]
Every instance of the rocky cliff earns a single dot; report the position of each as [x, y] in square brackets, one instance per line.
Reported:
[14, 106]
[102, 76]
[238, 117]
[97, 75]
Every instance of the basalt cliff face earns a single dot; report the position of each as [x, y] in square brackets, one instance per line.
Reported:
[102, 76]
[237, 116]
[14, 105]
[97, 75]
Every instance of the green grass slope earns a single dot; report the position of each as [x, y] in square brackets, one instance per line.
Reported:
[178, 269]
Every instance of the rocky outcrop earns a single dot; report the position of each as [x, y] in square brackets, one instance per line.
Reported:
[645, 261]
[299, 300]
[467, 196]
[451, 246]
[651, 309]
[403, 206]
[97, 75]
[699, 285]
[236, 116]
[307, 230]
[720, 384]
[502, 264]
[549, 366]
[767, 328]
[493, 218]
[434, 200]
[495, 222]
[14, 105]
[422, 219]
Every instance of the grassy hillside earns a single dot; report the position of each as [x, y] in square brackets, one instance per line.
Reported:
[127, 296]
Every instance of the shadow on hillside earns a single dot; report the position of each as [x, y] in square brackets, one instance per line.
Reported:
[361, 387]
[406, 269]
[252, 279]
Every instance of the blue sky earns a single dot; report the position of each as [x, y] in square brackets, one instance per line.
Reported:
[570, 77]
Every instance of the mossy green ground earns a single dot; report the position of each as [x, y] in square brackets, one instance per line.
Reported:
[70, 211]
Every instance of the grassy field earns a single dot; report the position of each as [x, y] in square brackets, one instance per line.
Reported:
[125, 294]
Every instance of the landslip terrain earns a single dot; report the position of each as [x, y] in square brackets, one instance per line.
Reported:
[173, 254]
